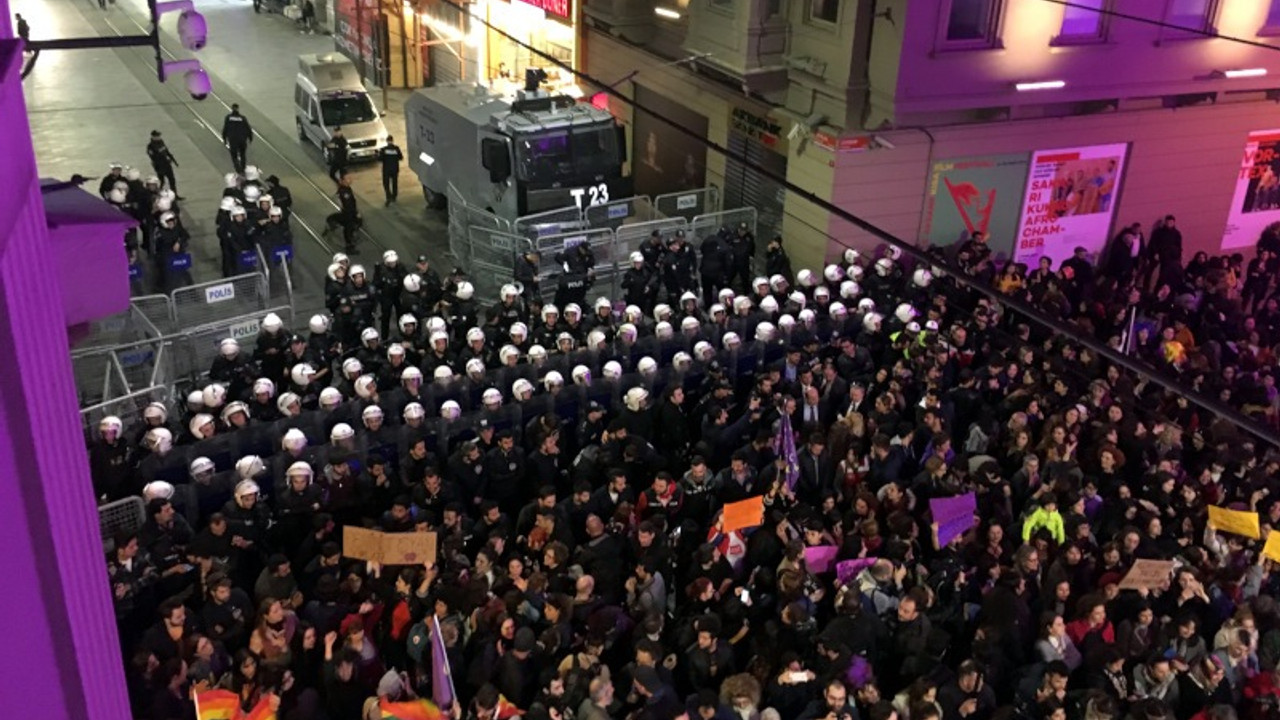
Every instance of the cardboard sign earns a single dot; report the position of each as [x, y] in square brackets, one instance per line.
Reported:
[1272, 548]
[1147, 574]
[1236, 522]
[744, 514]
[820, 557]
[413, 548]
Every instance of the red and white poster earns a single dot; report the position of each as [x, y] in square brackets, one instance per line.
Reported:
[1070, 202]
[1256, 202]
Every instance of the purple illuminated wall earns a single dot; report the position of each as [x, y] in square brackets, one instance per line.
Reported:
[63, 656]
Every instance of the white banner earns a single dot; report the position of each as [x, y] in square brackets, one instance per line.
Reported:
[1070, 202]
[1256, 202]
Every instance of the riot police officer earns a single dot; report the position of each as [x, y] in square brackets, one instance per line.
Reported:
[390, 156]
[388, 280]
[236, 135]
[162, 161]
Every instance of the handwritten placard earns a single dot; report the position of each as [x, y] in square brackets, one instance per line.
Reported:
[1147, 574]
[413, 548]
[744, 514]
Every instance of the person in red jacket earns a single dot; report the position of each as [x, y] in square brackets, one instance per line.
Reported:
[1091, 630]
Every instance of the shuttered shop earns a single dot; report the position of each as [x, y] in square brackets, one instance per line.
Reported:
[760, 142]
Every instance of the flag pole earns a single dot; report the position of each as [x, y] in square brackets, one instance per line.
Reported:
[448, 671]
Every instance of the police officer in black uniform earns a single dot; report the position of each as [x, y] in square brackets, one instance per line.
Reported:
[390, 157]
[337, 155]
[348, 217]
[236, 135]
[162, 161]
[573, 286]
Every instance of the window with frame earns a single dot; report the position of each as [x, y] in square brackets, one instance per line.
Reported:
[1083, 21]
[824, 11]
[1194, 16]
[971, 23]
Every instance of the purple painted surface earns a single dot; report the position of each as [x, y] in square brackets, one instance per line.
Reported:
[84, 235]
[56, 612]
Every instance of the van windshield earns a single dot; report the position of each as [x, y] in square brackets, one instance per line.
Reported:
[555, 156]
[347, 109]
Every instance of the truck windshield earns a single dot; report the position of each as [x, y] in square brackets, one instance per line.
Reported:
[558, 155]
[347, 109]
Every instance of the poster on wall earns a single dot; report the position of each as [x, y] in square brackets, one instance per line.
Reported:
[969, 194]
[666, 160]
[1070, 202]
[356, 34]
[1256, 202]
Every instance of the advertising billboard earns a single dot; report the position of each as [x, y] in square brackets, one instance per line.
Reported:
[1256, 202]
[969, 194]
[665, 160]
[1070, 202]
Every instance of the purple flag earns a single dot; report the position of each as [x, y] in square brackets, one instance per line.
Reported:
[953, 515]
[441, 676]
[847, 570]
[785, 445]
[819, 557]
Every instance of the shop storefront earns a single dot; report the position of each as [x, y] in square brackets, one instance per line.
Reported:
[463, 48]
[761, 140]
[379, 37]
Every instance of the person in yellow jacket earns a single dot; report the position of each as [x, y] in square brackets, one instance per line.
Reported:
[1046, 516]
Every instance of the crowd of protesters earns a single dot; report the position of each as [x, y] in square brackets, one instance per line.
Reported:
[574, 463]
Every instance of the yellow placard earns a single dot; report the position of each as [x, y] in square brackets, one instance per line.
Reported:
[1272, 548]
[1236, 522]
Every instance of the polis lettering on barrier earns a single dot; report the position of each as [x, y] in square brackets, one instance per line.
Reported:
[218, 293]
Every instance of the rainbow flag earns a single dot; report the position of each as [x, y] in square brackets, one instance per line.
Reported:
[217, 705]
[410, 710]
[262, 711]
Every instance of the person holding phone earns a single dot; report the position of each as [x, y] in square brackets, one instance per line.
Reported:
[967, 696]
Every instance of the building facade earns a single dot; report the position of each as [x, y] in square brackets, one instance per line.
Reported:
[1047, 124]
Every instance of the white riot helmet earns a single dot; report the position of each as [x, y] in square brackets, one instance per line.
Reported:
[688, 296]
[286, 401]
[537, 354]
[195, 400]
[871, 322]
[465, 290]
[411, 374]
[369, 335]
[866, 305]
[213, 396]
[552, 379]
[395, 350]
[647, 366]
[357, 270]
[726, 296]
[690, 325]
[341, 431]
[390, 257]
[741, 304]
[769, 304]
[272, 323]
[275, 211]
[637, 258]
[612, 370]
[508, 292]
[474, 335]
[264, 385]
[786, 322]
[450, 410]
[821, 292]
[798, 299]
[251, 173]
[294, 439]
[366, 386]
[704, 351]
[370, 414]
[808, 316]
[572, 309]
[342, 259]
[904, 312]
[760, 283]
[922, 277]
[412, 282]
[252, 193]
[201, 466]
[730, 340]
[438, 336]
[330, 398]
[581, 375]
[850, 256]
[508, 354]
[595, 339]
[159, 440]
[250, 466]
[716, 309]
[549, 311]
[435, 324]
[232, 408]
[854, 272]
[414, 411]
[226, 204]
[202, 426]
[602, 303]
[765, 331]
[805, 278]
[884, 266]
[833, 273]
[521, 388]
[110, 423]
[661, 311]
[475, 368]
[352, 366]
[491, 398]
[301, 374]
[632, 314]
[518, 329]
[157, 490]
[117, 196]
[231, 180]
[663, 330]
[635, 399]
[850, 290]
[247, 489]
[167, 217]
[778, 283]
[838, 309]
[405, 321]
[133, 174]
[443, 375]
[682, 361]
[299, 469]
[164, 205]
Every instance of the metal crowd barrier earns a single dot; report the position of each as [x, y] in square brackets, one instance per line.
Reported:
[126, 514]
[128, 408]
[689, 203]
[193, 351]
[216, 301]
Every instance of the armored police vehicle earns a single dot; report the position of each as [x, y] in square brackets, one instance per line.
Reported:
[538, 152]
